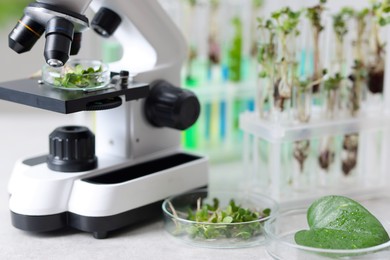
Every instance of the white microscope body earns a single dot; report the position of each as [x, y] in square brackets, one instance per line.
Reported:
[138, 163]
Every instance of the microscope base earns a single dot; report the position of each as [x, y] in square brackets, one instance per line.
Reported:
[100, 201]
[98, 226]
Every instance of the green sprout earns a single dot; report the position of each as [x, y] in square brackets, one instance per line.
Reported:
[208, 214]
[286, 25]
[333, 83]
[340, 25]
[361, 25]
[286, 20]
[266, 57]
[80, 78]
[359, 70]
[267, 51]
[331, 86]
[314, 14]
[340, 29]
[381, 12]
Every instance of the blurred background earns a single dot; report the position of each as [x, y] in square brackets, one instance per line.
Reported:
[221, 67]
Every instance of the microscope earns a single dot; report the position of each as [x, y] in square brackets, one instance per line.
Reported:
[102, 184]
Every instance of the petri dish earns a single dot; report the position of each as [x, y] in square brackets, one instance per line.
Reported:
[217, 235]
[78, 75]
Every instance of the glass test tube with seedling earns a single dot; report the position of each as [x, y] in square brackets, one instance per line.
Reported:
[266, 57]
[286, 82]
[286, 25]
[235, 50]
[254, 38]
[314, 15]
[350, 143]
[236, 60]
[310, 63]
[190, 8]
[379, 17]
[214, 43]
[358, 76]
[194, 20]
[328, 145]
[338, 67]
[334, 80]
[334, 84]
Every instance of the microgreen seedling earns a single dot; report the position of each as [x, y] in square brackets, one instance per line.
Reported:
[206, 215]
[340, 29]
[78, 77]
[286, 24]
[267, 49]
[314, 14]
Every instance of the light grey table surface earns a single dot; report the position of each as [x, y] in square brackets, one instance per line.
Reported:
[25, 133]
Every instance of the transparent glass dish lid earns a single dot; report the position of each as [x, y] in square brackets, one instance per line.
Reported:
[280, 233]
[84, 75]
[217, 234]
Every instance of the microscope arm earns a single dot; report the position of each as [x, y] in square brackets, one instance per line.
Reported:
[153, 47]
[77, 6]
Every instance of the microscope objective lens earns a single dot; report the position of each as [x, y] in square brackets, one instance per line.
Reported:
[59, 37]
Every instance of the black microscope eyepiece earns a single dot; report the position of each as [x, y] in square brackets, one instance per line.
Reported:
[105, 22]
[59, 37]
[25, 34]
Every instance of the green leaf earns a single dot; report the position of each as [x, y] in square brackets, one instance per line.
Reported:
[338, 222]
[227, 219]
[267, 212]
[263, 74]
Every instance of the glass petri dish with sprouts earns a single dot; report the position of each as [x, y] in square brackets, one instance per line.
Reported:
[78, 75]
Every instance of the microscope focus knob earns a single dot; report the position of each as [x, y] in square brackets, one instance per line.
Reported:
[105, 22]
[71, 149]
[170, 106]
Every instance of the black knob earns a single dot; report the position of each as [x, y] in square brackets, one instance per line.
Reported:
[171, 106]
[72, 149]
[105, 22]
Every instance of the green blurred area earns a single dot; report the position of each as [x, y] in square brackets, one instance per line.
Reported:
[11, 9]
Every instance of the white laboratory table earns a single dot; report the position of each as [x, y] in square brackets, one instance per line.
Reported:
[24, 132]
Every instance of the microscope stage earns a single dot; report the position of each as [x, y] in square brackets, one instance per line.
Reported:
[30, 92]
